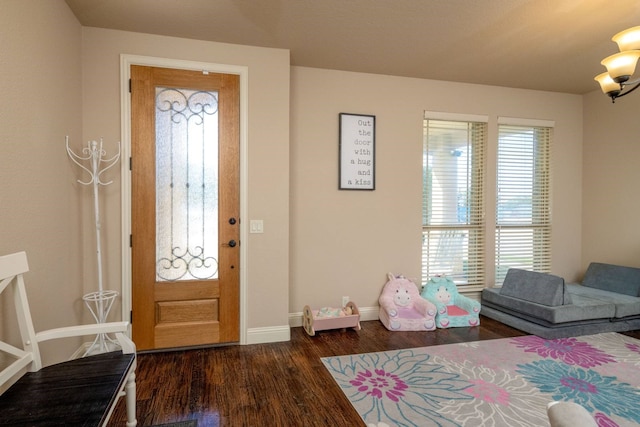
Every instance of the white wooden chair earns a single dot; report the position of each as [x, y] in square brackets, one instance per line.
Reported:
[81, 391]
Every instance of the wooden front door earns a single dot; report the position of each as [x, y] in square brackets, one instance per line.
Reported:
[185, 207]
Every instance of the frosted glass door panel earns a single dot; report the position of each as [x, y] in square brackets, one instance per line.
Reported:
[186, 184]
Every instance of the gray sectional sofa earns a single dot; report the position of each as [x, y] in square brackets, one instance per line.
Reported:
[607, 300]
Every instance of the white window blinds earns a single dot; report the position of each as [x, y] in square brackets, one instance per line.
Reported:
[452, 217]
[523, 215]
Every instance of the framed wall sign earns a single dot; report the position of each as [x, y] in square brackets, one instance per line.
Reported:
[357, 169]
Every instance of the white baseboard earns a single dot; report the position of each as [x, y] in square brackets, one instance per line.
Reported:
[283, 333]
[86, 349]
[81, 351]
[270, 334]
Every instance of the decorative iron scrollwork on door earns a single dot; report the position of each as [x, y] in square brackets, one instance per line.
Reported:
[186, 184]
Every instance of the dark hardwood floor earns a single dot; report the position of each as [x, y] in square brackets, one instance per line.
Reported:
[279, 384]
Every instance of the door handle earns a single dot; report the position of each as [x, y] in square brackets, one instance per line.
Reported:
[232, 243]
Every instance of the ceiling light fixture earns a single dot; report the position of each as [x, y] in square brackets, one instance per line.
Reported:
[622, 65]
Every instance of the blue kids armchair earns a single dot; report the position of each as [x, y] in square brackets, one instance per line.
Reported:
[453, 309]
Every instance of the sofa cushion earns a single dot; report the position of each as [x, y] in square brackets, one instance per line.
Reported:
[540, 288]
[626, 305]
[614, 278]
[582, 309]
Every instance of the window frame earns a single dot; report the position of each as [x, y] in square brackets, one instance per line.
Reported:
[468, 236]
[520, 243]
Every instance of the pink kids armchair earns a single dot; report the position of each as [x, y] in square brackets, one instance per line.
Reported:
[403, 309]
[454, 309]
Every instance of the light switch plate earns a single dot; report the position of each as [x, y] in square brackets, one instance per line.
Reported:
[256, 226]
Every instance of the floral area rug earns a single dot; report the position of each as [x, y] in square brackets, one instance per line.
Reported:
[502, 382]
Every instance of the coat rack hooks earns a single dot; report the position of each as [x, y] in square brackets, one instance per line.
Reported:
[100, 302]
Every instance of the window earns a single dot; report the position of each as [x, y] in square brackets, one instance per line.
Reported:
[452, 218]
[523, 219]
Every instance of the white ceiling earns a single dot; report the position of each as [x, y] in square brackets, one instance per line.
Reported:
[552, 45]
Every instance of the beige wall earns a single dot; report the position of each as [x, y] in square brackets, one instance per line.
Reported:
[611, 176]
[41, 204]
[344, 242]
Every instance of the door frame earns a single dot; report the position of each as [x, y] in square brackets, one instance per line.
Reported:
[126, 61]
